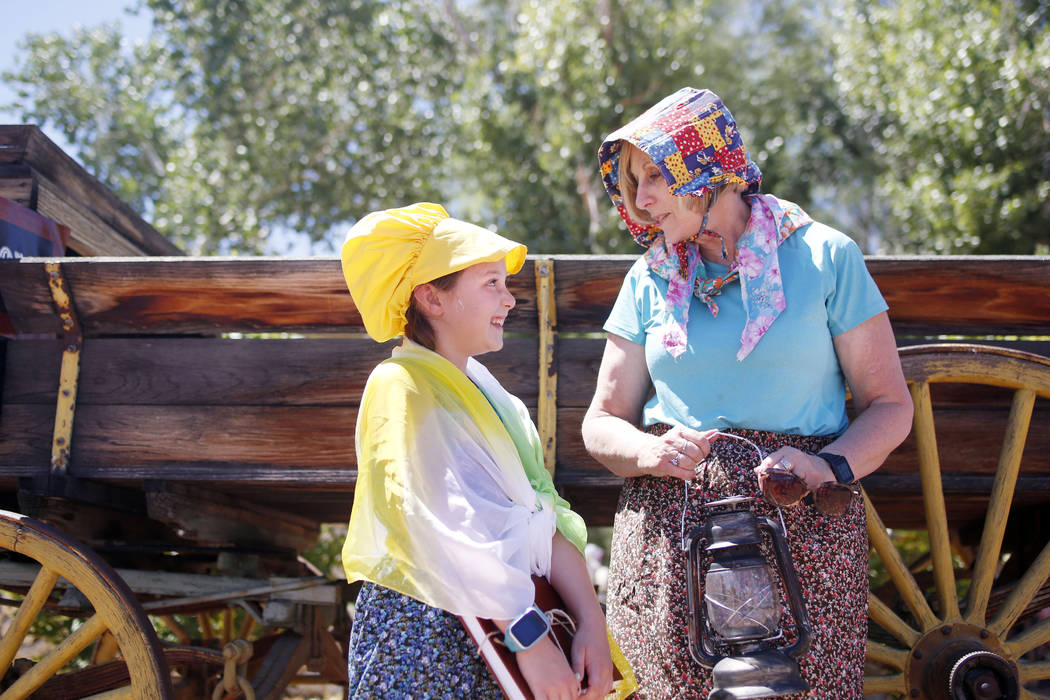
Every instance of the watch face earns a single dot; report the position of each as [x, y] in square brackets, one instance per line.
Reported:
[529, 627]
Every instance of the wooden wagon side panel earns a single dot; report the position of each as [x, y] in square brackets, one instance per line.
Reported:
[246, 373]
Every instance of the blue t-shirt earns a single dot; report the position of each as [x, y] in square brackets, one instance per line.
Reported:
[791, 382]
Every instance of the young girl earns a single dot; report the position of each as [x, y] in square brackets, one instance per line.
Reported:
[453, 510]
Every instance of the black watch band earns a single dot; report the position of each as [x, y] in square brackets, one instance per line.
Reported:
[839, 467]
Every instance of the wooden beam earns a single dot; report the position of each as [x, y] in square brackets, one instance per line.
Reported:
[27, 145]
[201, 295]
[327, 371]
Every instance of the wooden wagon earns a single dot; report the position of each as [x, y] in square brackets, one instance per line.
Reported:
[164, 418]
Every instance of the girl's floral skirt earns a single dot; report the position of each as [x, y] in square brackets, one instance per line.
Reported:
[401, 648]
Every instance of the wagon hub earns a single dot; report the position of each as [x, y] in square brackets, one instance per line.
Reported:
[961, 662]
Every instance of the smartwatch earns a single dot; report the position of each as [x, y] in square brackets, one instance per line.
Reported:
[839, 467]
[526, 630]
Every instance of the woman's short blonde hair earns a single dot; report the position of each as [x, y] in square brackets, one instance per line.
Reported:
[630, 155]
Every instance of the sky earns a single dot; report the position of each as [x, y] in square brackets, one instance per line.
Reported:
[61, 16]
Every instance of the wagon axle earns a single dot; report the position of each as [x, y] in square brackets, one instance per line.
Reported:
[961, 662]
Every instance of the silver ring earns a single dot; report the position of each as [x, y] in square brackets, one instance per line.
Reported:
[787, 464]
[674, 460]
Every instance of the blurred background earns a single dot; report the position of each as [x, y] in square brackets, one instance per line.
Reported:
[269, 126]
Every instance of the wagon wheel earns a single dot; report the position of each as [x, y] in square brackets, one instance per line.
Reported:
[944, 646]
[117, 615]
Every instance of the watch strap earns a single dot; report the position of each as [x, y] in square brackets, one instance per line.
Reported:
[839, 467]
[510, 636]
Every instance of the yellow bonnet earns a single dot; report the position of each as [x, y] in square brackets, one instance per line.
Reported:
[389, 253]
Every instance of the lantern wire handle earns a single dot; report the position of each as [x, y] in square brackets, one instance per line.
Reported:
[762, 454]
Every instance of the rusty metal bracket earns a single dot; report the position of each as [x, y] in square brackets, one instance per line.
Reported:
[70, 372]
[547, 400]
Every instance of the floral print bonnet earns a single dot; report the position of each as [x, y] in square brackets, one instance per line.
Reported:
[693, 139]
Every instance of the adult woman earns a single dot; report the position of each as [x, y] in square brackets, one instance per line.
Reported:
[788, 313]
[453, 511]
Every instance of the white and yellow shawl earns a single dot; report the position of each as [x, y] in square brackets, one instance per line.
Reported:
[453, 506]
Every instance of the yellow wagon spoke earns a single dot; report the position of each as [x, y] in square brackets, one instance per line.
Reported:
[31, 606]
[884, 684]
[896, 659]
[1022, 593]
[247, 625]
[1031, 638]
[891, 622]
[1036, 671]
[116, 694]
[999, 505]
[933, 498]
[177, 629]
[52, 663]
[897, 569]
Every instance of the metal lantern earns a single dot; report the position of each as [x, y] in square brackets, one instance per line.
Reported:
[736, 630]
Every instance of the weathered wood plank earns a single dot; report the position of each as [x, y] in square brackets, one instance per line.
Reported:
[25, 439]
[155, 434]
[18, 185]
[213, 371]
[31, 372]
[982, 295]
[206, 515]
[303, 371]
[979, 294]
[88, 233]
[212, 295]
[26, 297]
[263, 436]
[958, 293]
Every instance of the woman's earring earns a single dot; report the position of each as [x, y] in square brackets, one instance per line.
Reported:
[725, 253]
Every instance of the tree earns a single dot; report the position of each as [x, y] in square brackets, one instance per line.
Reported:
[958, 114]
[552, 77]
[241, 120]
[246, 118]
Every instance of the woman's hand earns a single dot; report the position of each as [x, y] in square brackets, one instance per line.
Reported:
[810, 468]
[547, 672]
[591, 660]
[675, 453]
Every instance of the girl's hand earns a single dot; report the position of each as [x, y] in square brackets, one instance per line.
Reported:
[547, 672]
[592, 660]
[676, 453]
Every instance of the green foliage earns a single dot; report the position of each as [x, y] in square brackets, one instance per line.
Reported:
[326, 554]
[958, 115]
[243, 121]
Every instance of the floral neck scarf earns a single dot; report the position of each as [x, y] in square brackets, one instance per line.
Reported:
[757, 267]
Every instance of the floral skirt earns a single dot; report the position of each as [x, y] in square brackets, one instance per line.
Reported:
[401, 648]
[648, 610]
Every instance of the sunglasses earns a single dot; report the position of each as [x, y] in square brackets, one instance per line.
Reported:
[783, 488]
